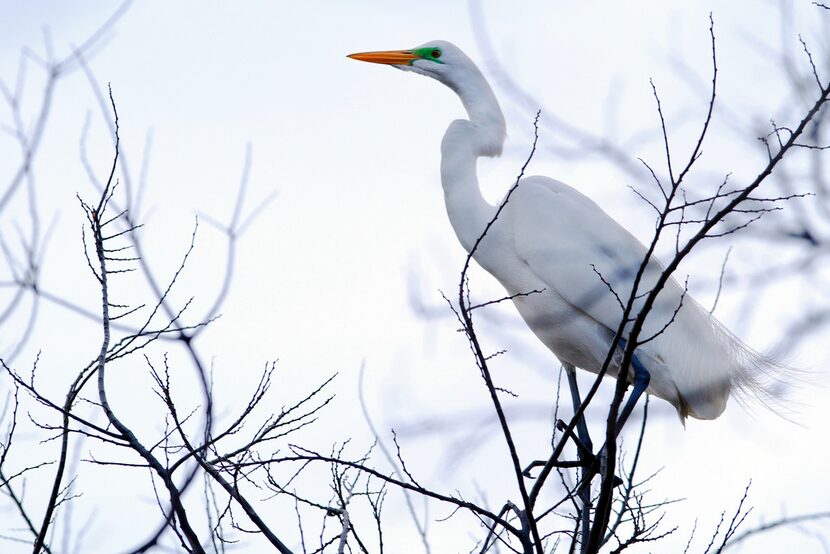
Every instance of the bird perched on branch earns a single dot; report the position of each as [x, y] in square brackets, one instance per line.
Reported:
[571, 268]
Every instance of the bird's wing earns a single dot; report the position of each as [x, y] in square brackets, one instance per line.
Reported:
[582, 254]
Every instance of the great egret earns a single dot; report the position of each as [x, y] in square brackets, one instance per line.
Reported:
[552, 238]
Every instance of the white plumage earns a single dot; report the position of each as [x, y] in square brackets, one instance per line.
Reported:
[552, 238]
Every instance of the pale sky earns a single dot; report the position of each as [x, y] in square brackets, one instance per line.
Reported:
[324, 279]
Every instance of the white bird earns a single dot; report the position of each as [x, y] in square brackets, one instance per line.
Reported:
[554, 239]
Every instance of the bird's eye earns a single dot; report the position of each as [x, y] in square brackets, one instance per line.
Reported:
[436, 53]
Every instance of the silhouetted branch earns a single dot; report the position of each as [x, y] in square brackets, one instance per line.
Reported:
[775, 524]
[531, 540]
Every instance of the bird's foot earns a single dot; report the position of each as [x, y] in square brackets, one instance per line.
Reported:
[585, 450]
[586, 456]
[542, 463]
[598, 466]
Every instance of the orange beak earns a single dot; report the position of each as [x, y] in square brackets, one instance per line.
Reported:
[389, 57]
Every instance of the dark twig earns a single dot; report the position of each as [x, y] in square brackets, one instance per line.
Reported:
[532, 541]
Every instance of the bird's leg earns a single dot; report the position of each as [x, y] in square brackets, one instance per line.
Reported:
[581, 426]
[582, 440]
[640, 384]
[584, 453]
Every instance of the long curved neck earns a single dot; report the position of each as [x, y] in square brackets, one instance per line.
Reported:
[464, 142]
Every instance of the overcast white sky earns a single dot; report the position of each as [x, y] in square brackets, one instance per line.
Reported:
[324, 278]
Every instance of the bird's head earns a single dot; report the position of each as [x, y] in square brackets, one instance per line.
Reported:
[446, 63]
[438, 59]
